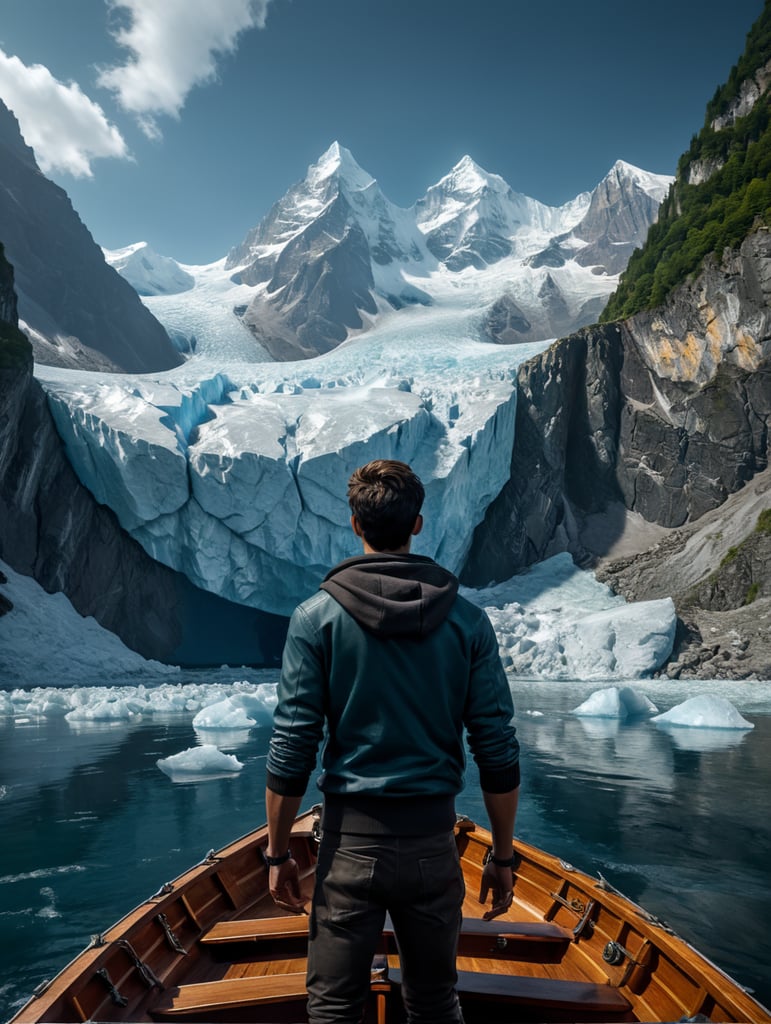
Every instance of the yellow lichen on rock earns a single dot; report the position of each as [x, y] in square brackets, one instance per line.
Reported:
[748, 353]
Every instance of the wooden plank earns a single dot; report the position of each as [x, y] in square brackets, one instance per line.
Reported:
[207, 998]
[257, 928]
[536, 992]
[296, 926]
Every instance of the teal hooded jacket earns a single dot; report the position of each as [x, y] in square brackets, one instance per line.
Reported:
[389, 665]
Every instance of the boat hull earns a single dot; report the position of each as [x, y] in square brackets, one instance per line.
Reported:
[211, 946]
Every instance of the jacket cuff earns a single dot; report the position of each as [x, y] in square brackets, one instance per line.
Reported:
[286, 786]
[501, 781]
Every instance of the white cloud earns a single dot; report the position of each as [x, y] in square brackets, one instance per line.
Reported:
[65, 128]
[174, 46]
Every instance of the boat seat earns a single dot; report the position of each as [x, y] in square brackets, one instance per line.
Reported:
[277, 928]
[545, 993]
[207, 999]
[257, 929]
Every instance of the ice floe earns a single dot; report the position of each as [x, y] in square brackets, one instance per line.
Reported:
[204, 760]
[704, 712]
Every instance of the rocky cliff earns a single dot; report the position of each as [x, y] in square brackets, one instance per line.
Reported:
[52, 528]
[628, 431]
[76, 309]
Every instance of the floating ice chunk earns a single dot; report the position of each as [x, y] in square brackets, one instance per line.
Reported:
[6, 705]
[704, 712]
[605, 703]
[103, 711]
[201, 760]
[257, 706]
[225, 714]
[614, 703]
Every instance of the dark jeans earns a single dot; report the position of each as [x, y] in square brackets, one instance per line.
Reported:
[418, 880]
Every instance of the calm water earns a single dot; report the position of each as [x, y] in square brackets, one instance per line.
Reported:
[678, 820]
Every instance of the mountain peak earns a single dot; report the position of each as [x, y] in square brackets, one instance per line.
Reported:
[655, 185]
[467, 178]
[339, 162]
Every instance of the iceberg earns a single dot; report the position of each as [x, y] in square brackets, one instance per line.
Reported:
[223, 715]
[204, 760]
[614, 703]
[704, 712]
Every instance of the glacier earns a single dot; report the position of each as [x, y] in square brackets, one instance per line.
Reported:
[235, 473]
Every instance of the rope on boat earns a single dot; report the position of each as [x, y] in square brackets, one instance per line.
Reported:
[164, 890]
[117, 998]
[656, 922]
[145, 971]
[172, 939]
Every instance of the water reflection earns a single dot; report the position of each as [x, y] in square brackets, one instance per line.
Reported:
[703, 740]
[225, 739]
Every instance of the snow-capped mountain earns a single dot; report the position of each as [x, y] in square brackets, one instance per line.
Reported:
[334, 256]
[472, 219]
[322, 255]
[147, 272]
[615, 222]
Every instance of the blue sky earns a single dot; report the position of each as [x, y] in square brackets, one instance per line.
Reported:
[180, 122]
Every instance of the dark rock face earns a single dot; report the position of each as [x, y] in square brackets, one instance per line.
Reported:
[65, 288]
[597, 425]
[52, 528]
[317, 287]
[565, 451]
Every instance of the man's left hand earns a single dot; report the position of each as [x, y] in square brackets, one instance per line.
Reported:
[501, 881]
[284, 882]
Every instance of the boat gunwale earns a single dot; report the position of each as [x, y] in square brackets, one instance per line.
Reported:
[715, 983]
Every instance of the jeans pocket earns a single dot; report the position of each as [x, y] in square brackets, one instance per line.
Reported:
[344, 884]
[441, 877]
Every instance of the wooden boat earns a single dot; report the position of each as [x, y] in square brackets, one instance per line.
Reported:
[212, 947]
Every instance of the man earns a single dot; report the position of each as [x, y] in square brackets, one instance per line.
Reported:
[396, 664]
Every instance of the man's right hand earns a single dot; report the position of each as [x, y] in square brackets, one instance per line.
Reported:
[501, 881]
[284, 883]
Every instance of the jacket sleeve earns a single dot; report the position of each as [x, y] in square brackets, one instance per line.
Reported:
[488, 715]
[298, 721]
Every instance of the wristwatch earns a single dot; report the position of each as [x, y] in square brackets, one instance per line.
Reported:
[273, 862]
[503, 862]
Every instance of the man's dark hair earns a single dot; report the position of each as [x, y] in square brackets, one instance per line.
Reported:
[386, 498]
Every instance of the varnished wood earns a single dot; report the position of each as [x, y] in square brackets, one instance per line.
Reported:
[245, 958]
[207, 999]
[537, 992]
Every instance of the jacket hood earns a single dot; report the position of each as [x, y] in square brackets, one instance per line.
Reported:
[393, 595]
